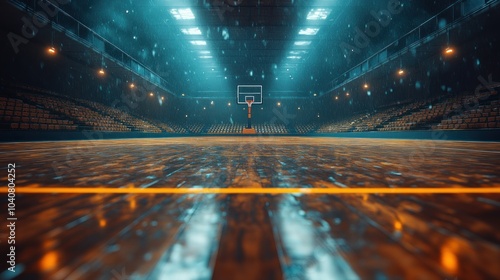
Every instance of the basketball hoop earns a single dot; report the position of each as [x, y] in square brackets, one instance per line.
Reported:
[249, 94]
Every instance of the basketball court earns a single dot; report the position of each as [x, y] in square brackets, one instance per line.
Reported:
[278, 207]
[250, 140]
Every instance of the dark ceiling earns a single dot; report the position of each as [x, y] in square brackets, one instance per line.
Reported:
[292, 47]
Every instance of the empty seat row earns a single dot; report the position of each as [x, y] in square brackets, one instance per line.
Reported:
[35, 126]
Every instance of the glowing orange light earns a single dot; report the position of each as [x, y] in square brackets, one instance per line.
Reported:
[401, 72]
[398, 225]
[162, 98]
[132, 204]
[151, 94]
[102, 223]
[449, 51]
[101, 72]
[365, 86]
[51, 50]
[49, 261]
[449, 260]
[132, 85]
[347, 94]
[373, 190]
[336, 98]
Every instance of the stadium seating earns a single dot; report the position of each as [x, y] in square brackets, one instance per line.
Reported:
[271, 128]
[87, 118]
[133, 122]
[176, 128]
[196, 128]
[237, 128]
[16, 114]
[226, 129]
[305, 128]
[473, 115]
[35, 109]
[449, 112]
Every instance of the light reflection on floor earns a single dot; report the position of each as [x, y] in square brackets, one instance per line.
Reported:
[257, 236]
[307, 251]
[191, 256]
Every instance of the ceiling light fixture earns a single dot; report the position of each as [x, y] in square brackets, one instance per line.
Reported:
[302, 43]
[318, 14]
[199, 43]
[182, 14]
[309, 31]
[191, 31]
[298, 52]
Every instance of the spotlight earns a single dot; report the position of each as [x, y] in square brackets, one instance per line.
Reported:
[336, 98]
[347, 94]
[102, 72]
[401, 72]
[151, 94]
[162, 98]
[365, 86]
[132, 85]
[51, 50]
[279, 104]
[229, 104]
[449, 51]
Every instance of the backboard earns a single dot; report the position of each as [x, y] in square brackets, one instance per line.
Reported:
[253, 92]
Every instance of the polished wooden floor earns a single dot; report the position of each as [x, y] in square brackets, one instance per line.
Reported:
[134, 235]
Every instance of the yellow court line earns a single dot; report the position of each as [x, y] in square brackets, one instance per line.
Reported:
[28, 190]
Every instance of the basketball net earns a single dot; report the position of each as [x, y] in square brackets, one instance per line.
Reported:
[249, 102]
